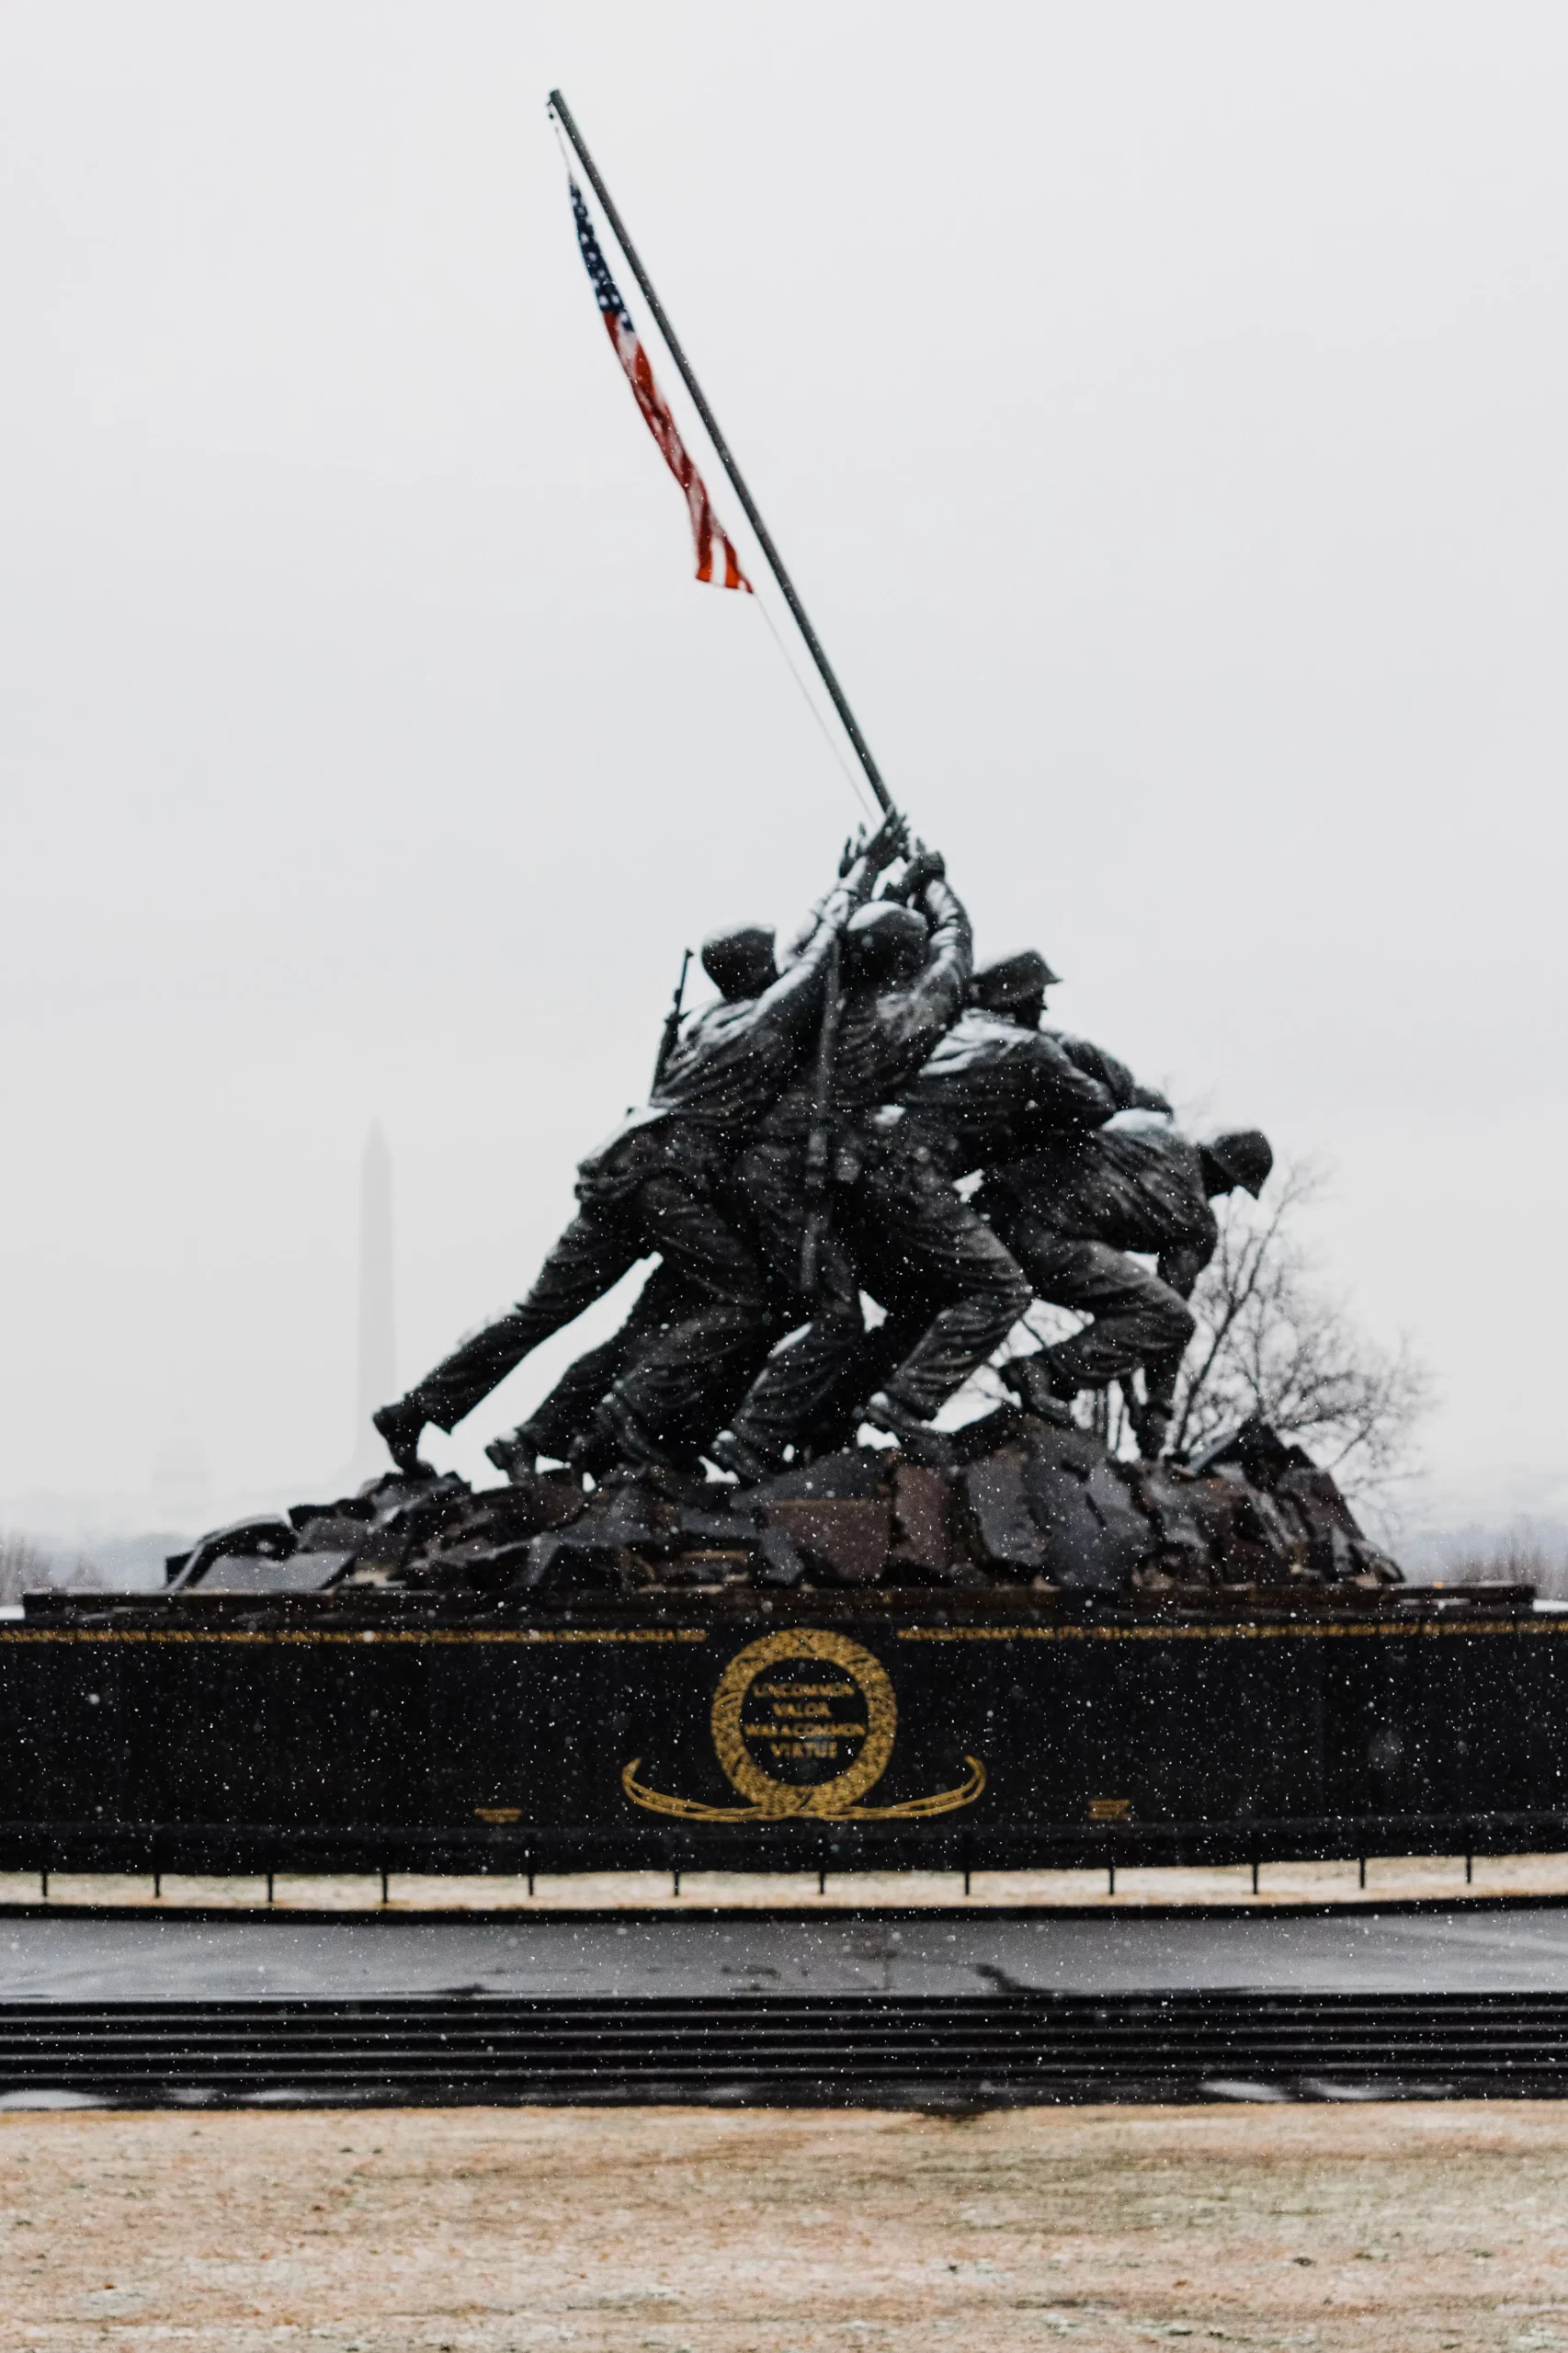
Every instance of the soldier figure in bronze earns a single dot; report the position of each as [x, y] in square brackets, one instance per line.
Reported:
[898, 1229]
[993, 1089]
[653, 1185]
[1013, 989]
[1069, 1215]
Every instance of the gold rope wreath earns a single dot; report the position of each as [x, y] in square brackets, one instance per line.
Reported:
[799, 1802]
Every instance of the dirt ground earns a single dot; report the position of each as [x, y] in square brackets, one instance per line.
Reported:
[1403, 2228]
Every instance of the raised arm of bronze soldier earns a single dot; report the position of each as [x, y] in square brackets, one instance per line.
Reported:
[925, 866]
[863, 859]
[878, 850]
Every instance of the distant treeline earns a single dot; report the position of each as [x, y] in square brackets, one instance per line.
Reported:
[1525, 1551]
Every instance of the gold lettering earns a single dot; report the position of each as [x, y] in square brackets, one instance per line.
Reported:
[846, 1690]
[782, 1715]
[776, 1730]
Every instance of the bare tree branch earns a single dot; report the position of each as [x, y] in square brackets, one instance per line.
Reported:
[1273, 1341]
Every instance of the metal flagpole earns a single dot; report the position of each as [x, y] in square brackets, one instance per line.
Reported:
[562, 113]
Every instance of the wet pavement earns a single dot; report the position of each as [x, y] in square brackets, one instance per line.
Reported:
[1459, 1951]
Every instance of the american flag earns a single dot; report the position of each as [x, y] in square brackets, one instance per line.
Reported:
[712, 539]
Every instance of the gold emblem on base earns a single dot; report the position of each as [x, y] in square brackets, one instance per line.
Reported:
[803, 1725]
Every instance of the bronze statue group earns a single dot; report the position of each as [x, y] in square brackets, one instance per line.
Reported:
[804, 1150]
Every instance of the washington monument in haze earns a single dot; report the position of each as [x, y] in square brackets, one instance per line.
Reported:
[377, 1336]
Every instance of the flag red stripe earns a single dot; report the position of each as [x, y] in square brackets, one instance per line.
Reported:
[706, 527]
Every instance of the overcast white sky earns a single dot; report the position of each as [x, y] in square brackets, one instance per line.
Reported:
[1163, 412]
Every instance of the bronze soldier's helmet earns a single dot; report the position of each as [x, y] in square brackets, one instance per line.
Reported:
[1243, 1156]
[740, 963]
[1011, 981]
[884, 942]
